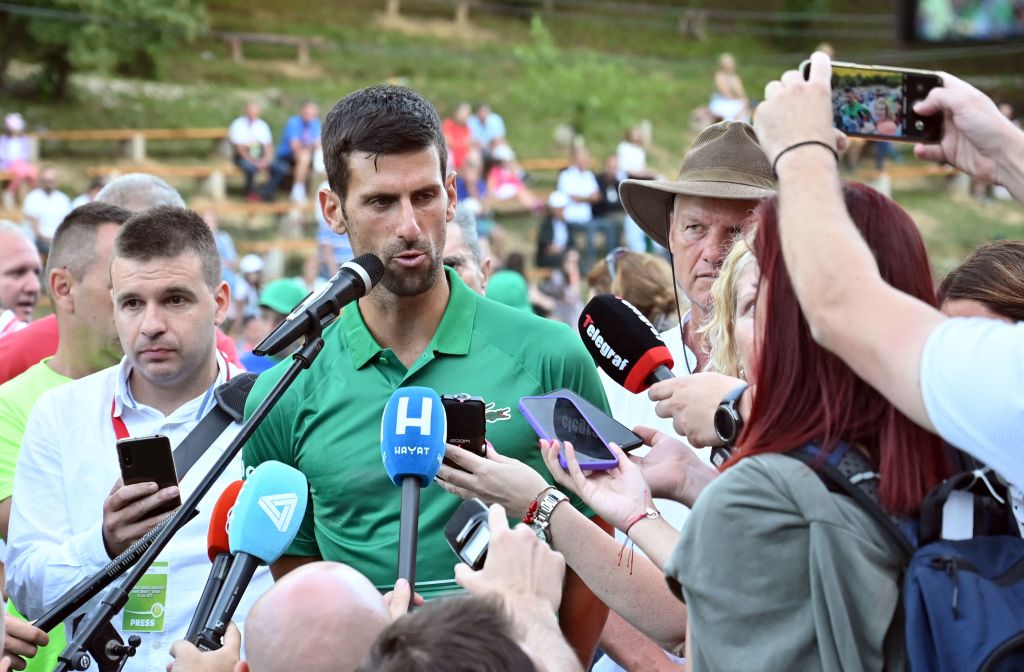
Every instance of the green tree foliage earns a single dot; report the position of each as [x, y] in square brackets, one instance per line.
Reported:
[123, 36]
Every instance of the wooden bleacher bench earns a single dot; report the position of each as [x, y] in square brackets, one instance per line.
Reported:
[212, 177]
[302, 44]
[300, 245]
[541, 165]
[907, 171]
[134, 138]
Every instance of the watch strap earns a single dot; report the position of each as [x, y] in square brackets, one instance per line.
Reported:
[542, 518]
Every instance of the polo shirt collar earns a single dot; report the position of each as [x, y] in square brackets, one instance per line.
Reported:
[452, 337]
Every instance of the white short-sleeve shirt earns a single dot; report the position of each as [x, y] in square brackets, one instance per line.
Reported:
[244, 131]
[972, 383]
[49, 209]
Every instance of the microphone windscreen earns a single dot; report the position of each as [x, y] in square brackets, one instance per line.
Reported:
[268, 512]
[231, 395]
[217, 535]
[372, 265]
[622, 342]
[412, 434]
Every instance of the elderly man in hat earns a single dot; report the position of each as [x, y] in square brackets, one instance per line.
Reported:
[697, 217]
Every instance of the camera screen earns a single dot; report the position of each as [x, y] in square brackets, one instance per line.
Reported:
[477, 544]
[868, 102]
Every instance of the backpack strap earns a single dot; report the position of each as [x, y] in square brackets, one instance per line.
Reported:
[849, 471]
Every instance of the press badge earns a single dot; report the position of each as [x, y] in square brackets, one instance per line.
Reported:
[145, 609]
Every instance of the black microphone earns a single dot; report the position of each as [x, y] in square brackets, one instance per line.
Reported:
[264, 522]
[624, 344]
[353, 280]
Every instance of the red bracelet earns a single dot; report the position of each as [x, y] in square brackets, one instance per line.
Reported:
[649, 512]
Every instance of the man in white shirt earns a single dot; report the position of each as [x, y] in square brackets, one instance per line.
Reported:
[961, 378]
[253, 145]
[580, 185]
[19, 277]
[45, 208]
[67, 521]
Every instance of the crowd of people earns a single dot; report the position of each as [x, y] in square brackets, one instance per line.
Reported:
[809, 337]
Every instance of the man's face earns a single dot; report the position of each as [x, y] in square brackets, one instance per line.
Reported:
[19, 275]
[397, 207]
[252, 110]
[458, 256]
[93, 309]
[309, 112]
[701, 230]
[166, 316]
[48, 180]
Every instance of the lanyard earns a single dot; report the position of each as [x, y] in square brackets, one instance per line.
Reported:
[121, 429]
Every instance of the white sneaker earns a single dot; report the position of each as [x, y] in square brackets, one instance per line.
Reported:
[299, 193]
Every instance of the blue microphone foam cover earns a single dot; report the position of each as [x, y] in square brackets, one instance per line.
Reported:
[413, 430]
[268, 512]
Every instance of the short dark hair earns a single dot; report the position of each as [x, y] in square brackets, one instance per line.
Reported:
[456, 634]
[74, 243]
[165, 232]
[383, 119]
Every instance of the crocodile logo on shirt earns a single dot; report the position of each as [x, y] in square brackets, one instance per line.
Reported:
[494, 414]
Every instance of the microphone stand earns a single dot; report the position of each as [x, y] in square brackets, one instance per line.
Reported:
[96, 636]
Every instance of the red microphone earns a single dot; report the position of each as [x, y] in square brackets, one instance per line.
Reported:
[219, 550]
[624, 344]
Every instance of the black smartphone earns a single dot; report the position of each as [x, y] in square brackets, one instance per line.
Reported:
[467, 423]
[148, 459]
[877, 102]
[468, 534]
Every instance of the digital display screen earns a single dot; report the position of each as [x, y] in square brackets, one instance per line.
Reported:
[562, 420]
[966, 20]
[869, 102]
[477, 545]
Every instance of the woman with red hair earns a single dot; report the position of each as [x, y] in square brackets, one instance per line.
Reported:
[779, 572]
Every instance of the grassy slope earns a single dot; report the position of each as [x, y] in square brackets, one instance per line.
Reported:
[532, 79]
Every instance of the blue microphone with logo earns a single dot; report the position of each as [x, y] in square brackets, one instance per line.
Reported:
[263, 524]
[412, 437]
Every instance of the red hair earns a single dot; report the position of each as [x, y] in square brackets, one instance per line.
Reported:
[805, 393]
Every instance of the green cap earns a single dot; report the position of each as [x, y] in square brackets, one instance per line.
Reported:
[281, 296]
[510, 288]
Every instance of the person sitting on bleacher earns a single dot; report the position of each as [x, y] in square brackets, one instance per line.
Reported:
[15, 156]
[299, 141]
[253, 146]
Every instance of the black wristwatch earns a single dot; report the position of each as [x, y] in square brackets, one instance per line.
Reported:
[728, 422]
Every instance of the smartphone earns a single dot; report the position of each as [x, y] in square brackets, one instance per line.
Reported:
[877, 102]
[148, 459]
[566, 416]
[467, 423]
[468, 534]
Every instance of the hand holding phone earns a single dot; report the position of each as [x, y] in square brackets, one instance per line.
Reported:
[877, 102]
[145, 494]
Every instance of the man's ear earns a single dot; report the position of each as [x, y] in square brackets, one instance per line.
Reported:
[333, 210]
[222, 297]
[453, 196]
[60, 284]
[485, 271]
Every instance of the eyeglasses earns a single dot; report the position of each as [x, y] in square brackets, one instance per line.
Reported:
[613, 257]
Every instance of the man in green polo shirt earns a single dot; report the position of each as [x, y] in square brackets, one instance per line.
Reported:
[392, 194]
[78, 280]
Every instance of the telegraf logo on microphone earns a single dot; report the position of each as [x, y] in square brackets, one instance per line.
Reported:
[606, 350]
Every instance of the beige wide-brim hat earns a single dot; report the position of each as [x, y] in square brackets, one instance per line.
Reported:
[725, 162]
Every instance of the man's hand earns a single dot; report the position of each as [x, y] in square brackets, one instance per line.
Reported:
[671, 468]
[128, 513]
[975, 134]
[691, 402]
[797, 110]
[495, 479]
[21, 640]
[187, 658]
[398, 599]
[520, 568]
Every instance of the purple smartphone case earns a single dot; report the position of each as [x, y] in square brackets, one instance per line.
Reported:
[595, 465]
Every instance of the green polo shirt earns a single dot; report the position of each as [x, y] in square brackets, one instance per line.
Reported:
[328, 424]
[17, 397]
